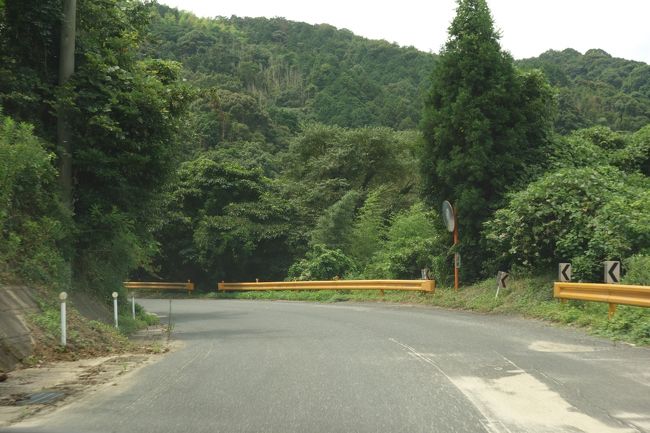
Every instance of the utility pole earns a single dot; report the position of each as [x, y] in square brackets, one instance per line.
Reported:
[66, 69]
[64, 143]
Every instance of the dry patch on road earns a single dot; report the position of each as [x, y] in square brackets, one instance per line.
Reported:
[520, 402]
[553, 347]
[511, 400]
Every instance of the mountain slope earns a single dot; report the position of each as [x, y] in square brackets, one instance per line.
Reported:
[596, 89]
[302, 71]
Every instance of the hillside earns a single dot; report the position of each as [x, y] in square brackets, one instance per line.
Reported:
[596, 89]
[301, 71]
[317, 72]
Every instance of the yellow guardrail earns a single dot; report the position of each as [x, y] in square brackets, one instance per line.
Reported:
[189, 286]
[381, 285]
[613, 294]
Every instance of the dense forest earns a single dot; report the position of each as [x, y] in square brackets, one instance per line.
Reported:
[242, 148]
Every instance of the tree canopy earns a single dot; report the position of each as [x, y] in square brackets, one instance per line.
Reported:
[485, 124]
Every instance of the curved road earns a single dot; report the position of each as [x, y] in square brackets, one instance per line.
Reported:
[259, 366]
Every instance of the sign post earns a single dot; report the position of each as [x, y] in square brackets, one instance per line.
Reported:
[451, 221]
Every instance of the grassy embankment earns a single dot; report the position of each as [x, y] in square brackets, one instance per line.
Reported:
[530, 297]
[85, 338]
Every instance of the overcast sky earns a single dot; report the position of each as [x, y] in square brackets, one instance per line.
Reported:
[529, 27]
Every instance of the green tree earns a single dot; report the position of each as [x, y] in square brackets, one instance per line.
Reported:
[123, 117]
[582, 215]
[485, 124]
[413, 241]
[369, 228]
[222, 221]
[334, 228]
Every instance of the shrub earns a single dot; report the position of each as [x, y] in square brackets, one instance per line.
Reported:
[413, 241]
[637, 270]
[32, 222]
[582, 215]
[321, 263]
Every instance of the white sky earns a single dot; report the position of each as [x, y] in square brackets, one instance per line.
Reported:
[529, 27]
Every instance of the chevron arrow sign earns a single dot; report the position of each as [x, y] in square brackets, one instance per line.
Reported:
[612, 272]
[564, 272]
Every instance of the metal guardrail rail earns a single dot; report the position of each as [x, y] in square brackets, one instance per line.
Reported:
[427, 286]
[189, 286]
[613, 294]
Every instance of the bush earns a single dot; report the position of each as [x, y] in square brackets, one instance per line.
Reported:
[321, 263]
[32, 221]
[637, 270]
[413, 241]
[580, 215]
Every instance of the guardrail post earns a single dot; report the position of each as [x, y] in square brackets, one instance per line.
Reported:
[611, 311]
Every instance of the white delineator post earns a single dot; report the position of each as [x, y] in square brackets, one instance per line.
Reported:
[63, 296]
[115, 308]
[133, 305]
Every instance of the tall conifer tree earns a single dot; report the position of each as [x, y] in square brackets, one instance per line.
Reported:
[485, 125]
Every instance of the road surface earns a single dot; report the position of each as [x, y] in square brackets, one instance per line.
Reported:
[260, 366]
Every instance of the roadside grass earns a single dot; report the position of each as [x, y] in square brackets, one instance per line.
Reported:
[527, 296]
[85, 338]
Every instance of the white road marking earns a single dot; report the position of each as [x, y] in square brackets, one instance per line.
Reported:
[490, 425]
[519, 402]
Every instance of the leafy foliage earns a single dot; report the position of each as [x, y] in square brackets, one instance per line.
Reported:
[413, 241]
[486, 125]
[314, 73]
[321, 263]
[580, 215]
[223, 221]
[236, 148]
[32, 223]
[596, 89]
[637, 270]
[125, 117]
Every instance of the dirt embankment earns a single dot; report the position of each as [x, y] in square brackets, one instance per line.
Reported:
[17, 303]
[37, 374]
[30, 328]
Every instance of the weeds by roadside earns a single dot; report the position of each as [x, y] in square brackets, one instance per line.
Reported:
[85, 338]
[527, 296]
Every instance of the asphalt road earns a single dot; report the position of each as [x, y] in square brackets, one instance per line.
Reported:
[256, 366]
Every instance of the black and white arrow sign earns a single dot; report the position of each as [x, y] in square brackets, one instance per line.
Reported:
[564, 272]
[501, 279]
[501, 282]
[612, 272]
